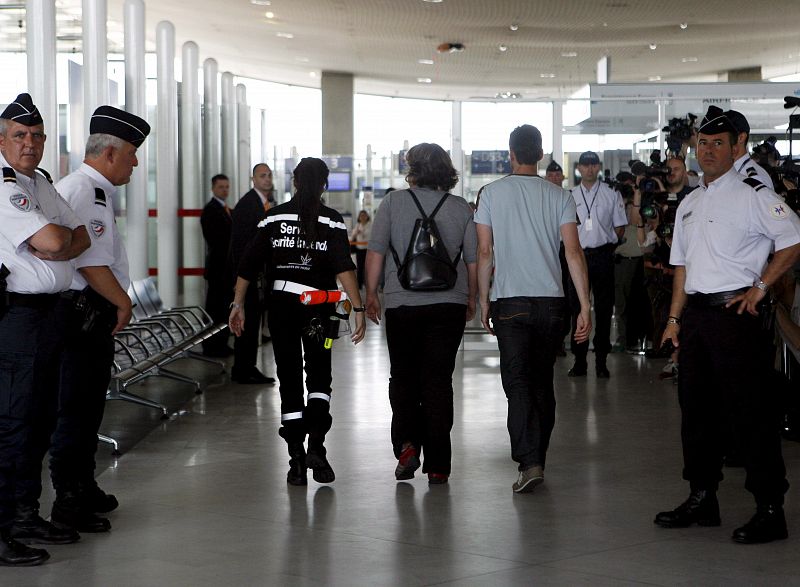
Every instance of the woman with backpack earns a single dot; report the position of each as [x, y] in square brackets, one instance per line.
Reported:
[304, 246]
[424, 243]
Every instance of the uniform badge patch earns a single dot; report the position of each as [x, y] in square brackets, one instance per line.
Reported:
[98, 228]
[21, 202]
[778, 211]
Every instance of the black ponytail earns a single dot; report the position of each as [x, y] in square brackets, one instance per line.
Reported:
[310, 181]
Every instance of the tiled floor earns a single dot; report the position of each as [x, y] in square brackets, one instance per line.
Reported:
[205, 502]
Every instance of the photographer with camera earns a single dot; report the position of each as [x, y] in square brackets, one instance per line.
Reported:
[724, 232]
[601, 213]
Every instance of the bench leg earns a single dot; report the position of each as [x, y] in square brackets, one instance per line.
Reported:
[137, 399]
[201, 357]
[178, 377]
[108, 440]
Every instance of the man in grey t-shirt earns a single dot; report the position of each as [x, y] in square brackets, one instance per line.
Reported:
[520, 221]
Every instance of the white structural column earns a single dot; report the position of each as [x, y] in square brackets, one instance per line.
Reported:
[191, 173]
[95, 58]
[212, 164]
[243, 139]
[662, 122]
[167, 172]
[136, 203]
[229, 159]
[558, 127]
[40, 19]
[264, 152]
[457, 151]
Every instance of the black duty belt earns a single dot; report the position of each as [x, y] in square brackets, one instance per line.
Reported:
[601, 249]
[711, 300]
[32, 300]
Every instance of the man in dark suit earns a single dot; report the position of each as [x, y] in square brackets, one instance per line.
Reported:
[249, 211]
[216, 224]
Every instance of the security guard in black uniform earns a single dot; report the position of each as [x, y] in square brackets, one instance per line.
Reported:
[304, 246]
[39, 234]
[98, 307]
[724, 231]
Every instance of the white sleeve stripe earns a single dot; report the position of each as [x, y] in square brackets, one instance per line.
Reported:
[295, 218]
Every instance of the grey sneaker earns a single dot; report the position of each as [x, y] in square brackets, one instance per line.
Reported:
[528, 479]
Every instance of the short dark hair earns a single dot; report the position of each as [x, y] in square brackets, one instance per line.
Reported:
[430, 166]
[257, 165]
[526, 142]
[219, 177]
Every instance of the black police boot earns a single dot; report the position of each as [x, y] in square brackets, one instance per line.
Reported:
[69, 511]
[318, 463]
[29, 528]
[297, 464]
[15, 554]
[702, 508]
[600, 368]
[96, 500]
[766, 525]
[578, 369]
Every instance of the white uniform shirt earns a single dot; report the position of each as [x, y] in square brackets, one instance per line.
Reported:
[747, 167]
[600, 210]
[725, 232]
[97, 214]
[26, 207]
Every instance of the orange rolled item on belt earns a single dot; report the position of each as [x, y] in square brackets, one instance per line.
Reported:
[310, 298]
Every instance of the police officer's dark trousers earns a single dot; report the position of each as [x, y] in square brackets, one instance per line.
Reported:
[85, 371]
[600, 265]
[423, 343]
[723, 365]
[298, 334]
[245, 347]
[219, 296]
[34, 403]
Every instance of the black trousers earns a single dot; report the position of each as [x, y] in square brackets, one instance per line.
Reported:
[529, 333]
[600, 264]
[724, 361]
[40, 414]
[423, 343]
[218, 299]
[245, 347]
[361, 263]
[85, 373]
[298, 336]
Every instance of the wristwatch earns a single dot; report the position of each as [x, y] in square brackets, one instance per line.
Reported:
[761, 285]
[234, 305]
[361, 309]
[674, 320]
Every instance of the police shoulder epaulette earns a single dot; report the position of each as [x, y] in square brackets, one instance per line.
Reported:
[754, 183]
[751, 172]
[47, 176]
[99, 197]
[9, 176]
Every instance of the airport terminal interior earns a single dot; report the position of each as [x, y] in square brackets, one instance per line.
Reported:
[200, 474]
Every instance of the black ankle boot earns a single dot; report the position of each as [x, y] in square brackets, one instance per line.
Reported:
[578, 369]
[318, 463]
[15, 554]
[702, 508]
[297, 465]
[30, 528]
[766, 525]
[69, 511]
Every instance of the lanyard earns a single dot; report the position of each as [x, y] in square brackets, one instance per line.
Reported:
[590, 206]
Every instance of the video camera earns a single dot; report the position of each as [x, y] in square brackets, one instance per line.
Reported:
[654, 195]
[679, 131]
[620, 183]
[790, 170]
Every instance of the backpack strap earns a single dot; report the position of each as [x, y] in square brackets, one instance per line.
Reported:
[439, 205]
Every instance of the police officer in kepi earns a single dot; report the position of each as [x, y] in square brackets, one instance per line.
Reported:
[99, 308]
[724, 232]
[39, 234]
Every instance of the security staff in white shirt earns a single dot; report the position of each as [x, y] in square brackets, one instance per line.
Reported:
[602, 218]
[745, 165]
[38, 235]
[101, 307]
[724, 232]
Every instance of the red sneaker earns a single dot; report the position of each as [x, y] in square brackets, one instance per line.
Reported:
[407, 463]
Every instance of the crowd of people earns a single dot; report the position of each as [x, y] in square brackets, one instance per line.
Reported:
[532, 257]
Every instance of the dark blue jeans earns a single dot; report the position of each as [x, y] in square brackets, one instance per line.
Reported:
[529, 332]
[423, 343]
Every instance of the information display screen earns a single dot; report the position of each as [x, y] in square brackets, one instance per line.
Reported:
[490, 162]
[339, 181]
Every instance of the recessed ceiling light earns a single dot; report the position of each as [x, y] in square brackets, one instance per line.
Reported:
[425, 61]
[424, 80]
[302, 59]
[269, 14]
[285, 35]
[514, 27]
[689, 60]
[653, 46]
[502, 48]
[312, 74]
[684, 25]
[547, 75]
[569, 54]
[654, 78]
[261, 2]
[433, 1]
